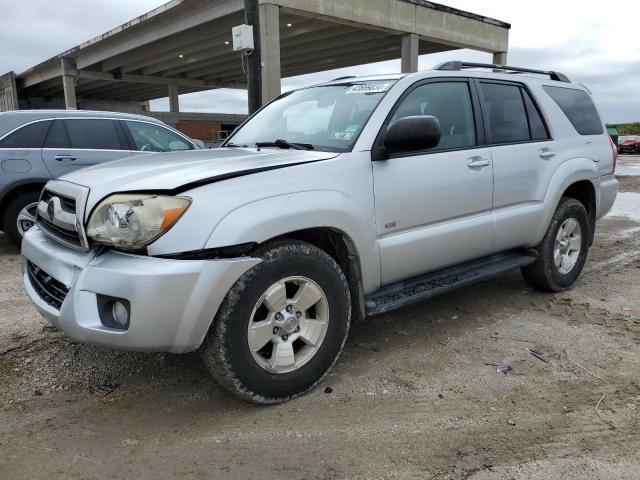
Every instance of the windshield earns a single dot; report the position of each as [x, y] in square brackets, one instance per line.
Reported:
[327, 117]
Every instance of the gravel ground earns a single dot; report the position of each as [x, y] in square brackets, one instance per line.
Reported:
[415, 395]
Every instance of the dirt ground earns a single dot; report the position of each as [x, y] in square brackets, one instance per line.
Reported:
[416, 393]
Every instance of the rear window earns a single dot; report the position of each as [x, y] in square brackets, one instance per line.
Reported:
[29, 136]
[579, 109]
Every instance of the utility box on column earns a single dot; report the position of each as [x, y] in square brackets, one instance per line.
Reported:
[242, 38]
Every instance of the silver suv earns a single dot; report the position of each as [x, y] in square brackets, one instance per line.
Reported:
[330, 204]
[38, 145]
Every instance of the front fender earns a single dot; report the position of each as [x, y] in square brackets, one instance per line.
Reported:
[272, 217]
[569, 172]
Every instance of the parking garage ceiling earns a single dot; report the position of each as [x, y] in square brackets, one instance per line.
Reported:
[188, 43]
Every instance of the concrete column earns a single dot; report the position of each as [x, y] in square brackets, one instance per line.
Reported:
[69, 78]
[174, 103]
[409, 53]
[500, 58]
[270, 51]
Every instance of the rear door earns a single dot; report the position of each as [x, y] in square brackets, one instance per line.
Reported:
[74, 143]
[21, 153]
[433, 207]
[524, 159]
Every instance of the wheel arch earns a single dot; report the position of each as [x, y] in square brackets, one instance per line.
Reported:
[574, 178]
[17, 188]
[585, 192]
[342, 249]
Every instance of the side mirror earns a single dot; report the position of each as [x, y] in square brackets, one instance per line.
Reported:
[198, 142]
[413, 133]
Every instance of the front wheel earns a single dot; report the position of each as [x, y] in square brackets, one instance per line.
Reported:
[282, 326]
[563, 250]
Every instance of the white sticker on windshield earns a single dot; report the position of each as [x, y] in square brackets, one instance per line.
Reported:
[373, 87]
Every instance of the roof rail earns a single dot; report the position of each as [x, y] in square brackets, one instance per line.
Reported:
[457, 66]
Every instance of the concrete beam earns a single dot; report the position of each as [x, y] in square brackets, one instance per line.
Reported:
[270, 49]
[398, 17]
[154, 80]
[409, 53]
[174, 103]
[69, 78]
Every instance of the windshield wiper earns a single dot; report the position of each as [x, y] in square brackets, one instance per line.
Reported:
[284, 144]
[234, 145]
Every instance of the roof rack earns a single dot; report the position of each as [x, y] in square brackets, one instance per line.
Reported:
[457, 66]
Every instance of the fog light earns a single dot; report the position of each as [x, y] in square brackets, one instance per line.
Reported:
[114, 312]
[120, 313]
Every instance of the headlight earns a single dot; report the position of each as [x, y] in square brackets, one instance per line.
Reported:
[132, 221]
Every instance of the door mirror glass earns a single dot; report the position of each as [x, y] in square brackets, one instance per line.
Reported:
[413, 133]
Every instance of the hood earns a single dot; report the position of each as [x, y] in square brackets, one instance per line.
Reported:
[181, 171]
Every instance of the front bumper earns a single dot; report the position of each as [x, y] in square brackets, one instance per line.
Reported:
[172, 301]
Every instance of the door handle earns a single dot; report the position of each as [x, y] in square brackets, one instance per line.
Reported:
[64, 157]
[478, 162]
[545, 153]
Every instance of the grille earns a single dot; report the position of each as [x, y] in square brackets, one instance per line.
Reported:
[49, 289]
[71, 200]
[69, 204]
[67, 236]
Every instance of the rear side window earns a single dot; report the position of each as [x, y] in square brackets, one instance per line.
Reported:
[537, 128]
[92, 134]
[579, 109]
[29, 136]
[505, 114]
[450, 103]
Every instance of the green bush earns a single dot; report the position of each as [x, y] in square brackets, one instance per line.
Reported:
[627, 128]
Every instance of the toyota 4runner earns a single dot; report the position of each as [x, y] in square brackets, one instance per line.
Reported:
[330, 204]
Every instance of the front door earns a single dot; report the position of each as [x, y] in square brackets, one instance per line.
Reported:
[433, 207]
[77, 143]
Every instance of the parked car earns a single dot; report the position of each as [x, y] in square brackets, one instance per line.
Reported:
[330, 204]
[38, 145]
[629, 144]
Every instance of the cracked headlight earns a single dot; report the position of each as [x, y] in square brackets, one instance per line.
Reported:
[133, 221]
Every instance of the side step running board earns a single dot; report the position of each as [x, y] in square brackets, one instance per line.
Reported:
[415, 289]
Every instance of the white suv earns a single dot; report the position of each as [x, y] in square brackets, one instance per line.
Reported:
[332, 203]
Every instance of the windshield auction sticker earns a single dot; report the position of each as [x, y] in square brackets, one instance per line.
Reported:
[372, 87]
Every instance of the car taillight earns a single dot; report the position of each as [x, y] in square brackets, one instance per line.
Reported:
[614, 151]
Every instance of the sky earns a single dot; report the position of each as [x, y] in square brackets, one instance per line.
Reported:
[592, 42]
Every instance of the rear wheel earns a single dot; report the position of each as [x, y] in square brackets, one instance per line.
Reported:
[282, 325]
[563, 250]
[19, 216]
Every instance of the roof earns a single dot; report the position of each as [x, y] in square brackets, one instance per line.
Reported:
[188, 42]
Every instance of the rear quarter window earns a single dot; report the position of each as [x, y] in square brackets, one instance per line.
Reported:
[579, 109]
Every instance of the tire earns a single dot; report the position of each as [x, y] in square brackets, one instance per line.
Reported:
[10, 217]
[544, 274]
[249, 372]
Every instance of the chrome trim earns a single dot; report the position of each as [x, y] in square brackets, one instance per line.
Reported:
[80, 195]
[62, 219]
